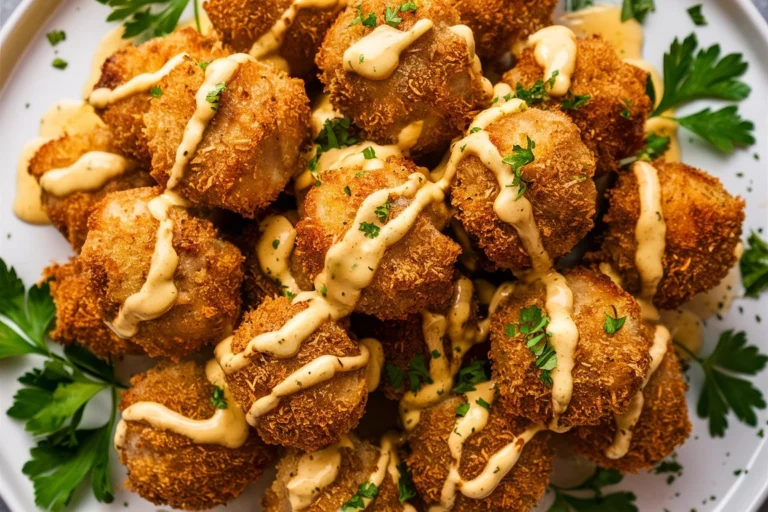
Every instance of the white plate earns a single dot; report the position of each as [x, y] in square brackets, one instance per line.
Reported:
[26, 76]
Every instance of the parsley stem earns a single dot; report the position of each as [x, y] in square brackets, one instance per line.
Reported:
[689, 352]
[197, 15]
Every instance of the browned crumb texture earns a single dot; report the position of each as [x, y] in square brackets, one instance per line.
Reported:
[249, 150]
[117, 257]
[314, 417]
[430, 459]
[169, 469]
[434, 82]
[561, 191]
[415, 274]
[703, 223]
[612, 85]
[663, 424]
[608, 370]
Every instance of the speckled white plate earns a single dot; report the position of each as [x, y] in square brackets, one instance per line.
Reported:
[29, 85]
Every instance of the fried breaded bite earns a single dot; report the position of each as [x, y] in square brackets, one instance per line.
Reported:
[358, 459]
[117, 256]
[125, 118]
[249, 150]
[430, 459]
[608, 369]
[663, 424]
[613, 118]
[69, 213]
[703, 227]
[558, 182]
[498, 24]
[242, 22]
[78, 315]
[415, 274]
[315, 416]
[170, 469]
[436, 81]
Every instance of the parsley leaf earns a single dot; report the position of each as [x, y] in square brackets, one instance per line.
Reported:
[637, 9]
[519, 158]
[613, 323]
[599, 502]
[655, 147]
[395, 376]
[532, 327]
[369, 153]
[217, 398]
[722, 128]
[482, 403]
[696, 16]
[418, 373]
[156, 91]
[56, 36]
[140, 19]
[474, 373]
[405, 486]
[391, 17]
[382, 212]
[538, 91]
[59, 63]
[365, 490]
[574, 101]
[368, 20]
[625, 112]
[32, 312]
[214, 95]
[337, 133]
[754, 267]
[462, 410]
[370, 229]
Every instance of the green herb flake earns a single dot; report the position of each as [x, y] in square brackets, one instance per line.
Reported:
[696, 15]
[56, 36]
[217, 398]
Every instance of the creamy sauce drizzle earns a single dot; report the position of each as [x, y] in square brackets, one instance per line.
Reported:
[650, 231]
[109, 44]
[274, 249]
[90, 172]
[554, 49]
[227, 427]
[377, 55]
[314, 472]
[468, 36]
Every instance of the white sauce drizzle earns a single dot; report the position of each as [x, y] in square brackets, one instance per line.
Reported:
[90, 172]
[314, 472]
[227, 427]
[377, 55]
[109, 44]
[650, 231]
[555, 50]
[275, 261]
[468, 36]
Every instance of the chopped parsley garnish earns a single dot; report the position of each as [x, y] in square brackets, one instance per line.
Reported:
[482, 403]
[202, 64]
[217, 398]
[156, 91]
[365, 490]
[637, 9]
[435, 354]
[368, 20]
[323, 290]
[598, 502]
[696, 15]
[532, 326]
[538, 91]
[474, 373]
[382, 212]
[391, 17]
[613, 323]
[348, 190]
[418, 373]
[475, 130]
[405, 487]
[59, 63]
[140, 19]
[56, 36]
[723, 391]
[214, 95]
[395, 376]
[462, 410]
[655, 147]
[369, 153]
[287, 293]
[519, 158]
[575, 101]
[275, 243]
[754, 266]
[722, 128]
[336, 134]
[53, 399]
[625, 112]
[370, 229]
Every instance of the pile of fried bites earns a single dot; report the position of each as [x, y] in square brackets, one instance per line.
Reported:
[398, 235]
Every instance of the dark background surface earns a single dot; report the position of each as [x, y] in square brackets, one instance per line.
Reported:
[7, 6]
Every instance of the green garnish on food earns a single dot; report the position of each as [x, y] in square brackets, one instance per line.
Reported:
[369, 153]
[336, 134]
[59, 63]
[532, 326]
[148, 18]
[156, 91]
[370, 229]
[365, 490]
[214, 95]
[56, 36]
[637, 9]
[538, 91]
[520, 157]
[418, 374]
[462, 410]
[565, 501]
[613, 323]
[655, 147]
[217, 398]
[575, 102]
[368, 20]
[696, 15]
[474, 373]
[482, 403]
[382, 211]
[405, 487]
[754, 266]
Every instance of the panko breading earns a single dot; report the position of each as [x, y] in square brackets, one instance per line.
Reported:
[430, 459]
[70, 214]
[608, 370]
[117, 256]
[703, 223]
[125, 118]
[415, 274]
[78, 315]
[560, 188]
[314, 417]
[434, 82]
[612, 122]
[242, 22]
[170, 469]
[249, 150]
[663, 424]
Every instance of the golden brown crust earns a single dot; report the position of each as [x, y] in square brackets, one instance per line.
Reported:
[415, 274]
[430, 459]
[434, 82]
[609, 81]
[125, 117]
[70, 214]
[608, 370]
[242, 22]
[703, 223]
[250, 148]
[169, 469]
[561, 191]
[117, 256]
[315, 417]
[663, 424]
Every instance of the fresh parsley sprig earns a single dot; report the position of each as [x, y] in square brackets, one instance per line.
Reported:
[754, 266]
[417, 374]
[53, 398]
[475, 372]
[532, 326]
[565, 501]
[519, 158]
[148, 18]
[336, 134]
[723, 391]
[637, 9]
[722, 128]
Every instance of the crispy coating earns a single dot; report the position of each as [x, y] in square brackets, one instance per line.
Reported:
[497, 24]
[117, 256]
[357, 465]
[169, 469]
[608, 370]
[430, 459]
[663, 424]
[78, 315]
[125, 118]
[561, 191]
[434, 82]
[250, 148]
[703, 224]
[315, 417]
[70, 214]
[414, 275]
[242, 22]
[613, 86]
